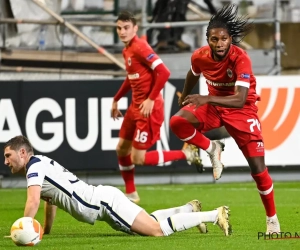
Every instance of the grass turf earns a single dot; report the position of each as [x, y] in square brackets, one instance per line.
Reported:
[247, 218]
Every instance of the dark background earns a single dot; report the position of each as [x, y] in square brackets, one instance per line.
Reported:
[23, 94]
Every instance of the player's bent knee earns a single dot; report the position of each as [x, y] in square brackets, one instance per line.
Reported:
[145, 225]
[176, 123]
[124, 147]
[137, 160]
[138, 157]
[153, 230]
[122, 151]
[157, 232]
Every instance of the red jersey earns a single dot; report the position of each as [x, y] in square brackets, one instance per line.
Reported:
[140, 60]
[222, 77]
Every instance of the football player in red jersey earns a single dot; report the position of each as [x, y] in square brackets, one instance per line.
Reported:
[146, 76]
[230, 102]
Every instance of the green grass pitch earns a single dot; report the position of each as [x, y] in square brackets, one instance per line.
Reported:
[247, 218]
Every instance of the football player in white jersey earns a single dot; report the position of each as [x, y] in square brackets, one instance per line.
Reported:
[51, 182]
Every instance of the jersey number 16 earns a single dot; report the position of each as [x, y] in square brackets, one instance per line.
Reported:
[141, 136]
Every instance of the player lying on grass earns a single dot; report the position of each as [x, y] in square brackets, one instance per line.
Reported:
[51, 182]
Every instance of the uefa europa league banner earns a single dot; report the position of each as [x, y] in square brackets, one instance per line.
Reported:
[70, 120]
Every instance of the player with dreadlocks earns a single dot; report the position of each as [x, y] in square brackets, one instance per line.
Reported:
[230, 102]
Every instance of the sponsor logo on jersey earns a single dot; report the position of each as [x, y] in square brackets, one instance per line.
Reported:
[133, 76]
[129, 61]
[150, 56]
[32, 175]
[220, 84]
[229, 73]
[245, 76]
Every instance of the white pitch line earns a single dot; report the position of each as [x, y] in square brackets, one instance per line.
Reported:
[214, 189]
[162, 188]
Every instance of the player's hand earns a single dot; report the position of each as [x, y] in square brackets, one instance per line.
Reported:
[146, 107]
[196, 100]
[115, 113]
[181, 100]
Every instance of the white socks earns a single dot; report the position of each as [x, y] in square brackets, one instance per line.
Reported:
[210, 216]
[184, 221]
[162, 214]
[274, 217]
[210, 147]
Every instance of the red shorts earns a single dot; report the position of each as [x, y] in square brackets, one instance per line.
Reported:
[143, 132]
[242, 124]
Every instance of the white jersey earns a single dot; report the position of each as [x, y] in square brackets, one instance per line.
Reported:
[63, 189]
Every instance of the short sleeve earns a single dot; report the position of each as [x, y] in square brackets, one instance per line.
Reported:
[35, 174]
[195, 67]
[145, 54]
[243, 71]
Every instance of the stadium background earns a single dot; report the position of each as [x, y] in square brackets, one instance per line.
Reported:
[66, 113]
[56, 89]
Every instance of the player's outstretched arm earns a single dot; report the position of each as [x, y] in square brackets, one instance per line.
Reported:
[50, 213]
[115, 112]
[162, 74]
[125, 87]
[190, 82]
[33, 201]
[237, 100]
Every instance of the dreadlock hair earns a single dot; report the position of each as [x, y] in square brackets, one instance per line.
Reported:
[226, 18]
[17, 142]
[126, 16]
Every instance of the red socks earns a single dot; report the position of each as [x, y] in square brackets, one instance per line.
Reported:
[185, 131]
[265, 188]
[151, 158]
[127, 172]
[156, 157]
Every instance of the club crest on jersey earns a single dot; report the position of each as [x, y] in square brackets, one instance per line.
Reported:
[129, 61]
[229, 73]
